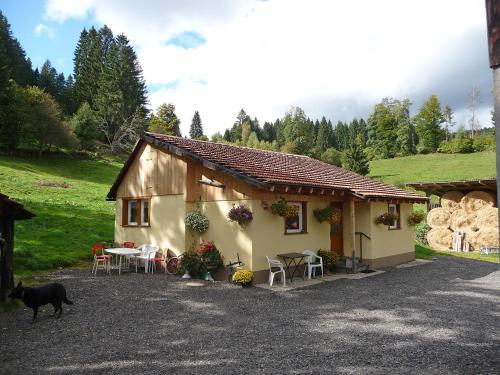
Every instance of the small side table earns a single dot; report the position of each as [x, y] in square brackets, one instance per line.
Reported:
[292, 262]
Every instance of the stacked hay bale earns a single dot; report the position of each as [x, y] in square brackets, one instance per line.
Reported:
[473, 214]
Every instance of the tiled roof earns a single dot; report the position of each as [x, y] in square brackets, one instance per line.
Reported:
[277, 168]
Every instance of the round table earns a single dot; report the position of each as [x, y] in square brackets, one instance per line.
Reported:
[121, 252]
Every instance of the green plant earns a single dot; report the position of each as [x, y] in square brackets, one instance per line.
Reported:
[190, 262]
[387, 218]
[421, 232]
[196, 221]
[242, 277]
[281, 208]
[329, 258]
[415, 217]
[329, 214]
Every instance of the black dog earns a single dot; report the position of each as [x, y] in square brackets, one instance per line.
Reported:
[54, 294]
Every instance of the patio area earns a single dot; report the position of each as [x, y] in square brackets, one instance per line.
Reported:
[439, 317]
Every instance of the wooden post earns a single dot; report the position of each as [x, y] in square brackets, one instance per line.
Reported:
[353, 233]
[6, 268]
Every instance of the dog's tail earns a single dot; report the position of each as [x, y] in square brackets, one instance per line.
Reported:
[67, 301]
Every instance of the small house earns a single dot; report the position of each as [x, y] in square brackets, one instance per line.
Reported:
[165, 177]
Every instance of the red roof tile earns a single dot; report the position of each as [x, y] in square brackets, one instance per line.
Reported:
[277, 168]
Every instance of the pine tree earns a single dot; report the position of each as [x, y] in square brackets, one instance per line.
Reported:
[196, 129]
[355, 159]
[323, 136]
[298, 132]
[428, 122]
[89, 65]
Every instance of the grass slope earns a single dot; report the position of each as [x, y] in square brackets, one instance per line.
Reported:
[434, 167]
[425, 252]
[68, 220]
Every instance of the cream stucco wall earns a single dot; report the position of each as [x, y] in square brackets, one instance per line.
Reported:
[385, 242]
[269, 239]
[230, 238]
[166, 228]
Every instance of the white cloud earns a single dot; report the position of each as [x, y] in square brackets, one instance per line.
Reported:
[41, 29]
[332, 58]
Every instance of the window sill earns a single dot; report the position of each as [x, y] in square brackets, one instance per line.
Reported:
[135, 226]
[291, 234]
[393, 228]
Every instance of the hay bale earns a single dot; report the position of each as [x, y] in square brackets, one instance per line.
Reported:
[470, 235]
[461, 220]
[438, 218]
[487, 218]
[484, 237]
[440, 239]
[451, 200]
[476, 200]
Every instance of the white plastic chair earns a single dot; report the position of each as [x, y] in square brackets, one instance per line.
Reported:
[275, 266]
[147, 255]
[312, 261]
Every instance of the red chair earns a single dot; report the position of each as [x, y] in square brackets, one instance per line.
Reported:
[100, 258]
[161, 259]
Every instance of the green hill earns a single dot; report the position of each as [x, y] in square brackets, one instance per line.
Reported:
[68, 198]
[434, 167]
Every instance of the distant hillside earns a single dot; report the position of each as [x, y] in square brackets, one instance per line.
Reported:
[434, 167]
[68, 197]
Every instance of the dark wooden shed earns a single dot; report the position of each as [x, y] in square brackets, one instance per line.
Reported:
[10, 211]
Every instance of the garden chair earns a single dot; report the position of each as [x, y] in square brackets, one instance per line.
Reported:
[100, 258]
[312, 261]
[275, 267]
[148, 253]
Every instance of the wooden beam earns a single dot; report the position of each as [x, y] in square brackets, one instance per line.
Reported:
[299, 190]
[353, 233]
[322, 191]
[333, 193]
[272, 188]
[311, 191]
[287, 188]
[211, 183]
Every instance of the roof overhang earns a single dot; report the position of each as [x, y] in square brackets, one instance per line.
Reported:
[441, 187]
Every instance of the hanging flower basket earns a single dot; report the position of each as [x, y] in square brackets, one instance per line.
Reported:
[416, 217]
[387, 218]
[196, 221]
[240, 213]
[329, 214]
[281, 208]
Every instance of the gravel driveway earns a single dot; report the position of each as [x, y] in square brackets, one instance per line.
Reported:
[441, 317]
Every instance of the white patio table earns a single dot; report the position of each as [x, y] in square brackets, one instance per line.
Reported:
[121, 252]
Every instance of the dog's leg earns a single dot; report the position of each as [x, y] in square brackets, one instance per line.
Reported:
[35, 312]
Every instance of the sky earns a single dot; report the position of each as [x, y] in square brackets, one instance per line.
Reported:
[333, 58]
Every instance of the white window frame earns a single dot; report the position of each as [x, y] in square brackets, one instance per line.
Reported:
[145, 220]
[300, 229]
[129, 213]
[393, 208]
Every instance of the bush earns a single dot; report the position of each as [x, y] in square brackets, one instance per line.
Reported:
[240, 213]
[416, 217]
[332, 156]
[242, 277]
[190, 263]
[329, 258]
[421, 232]
[484, 143]
[196, 221]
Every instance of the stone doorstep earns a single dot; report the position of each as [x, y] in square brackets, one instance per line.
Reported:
[298, 283]
[414, 263]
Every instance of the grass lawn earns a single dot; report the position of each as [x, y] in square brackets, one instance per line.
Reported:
[434, 167]
[425, 252]
[68, 220]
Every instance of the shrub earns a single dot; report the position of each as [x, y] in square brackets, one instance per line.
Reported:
[329, 258]
[416, 217]
[329, 214]
[240, 213]
[196, 221]
[189, 263]
[421, 232]
[209, 253]
[387, 218]
[242, 277]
